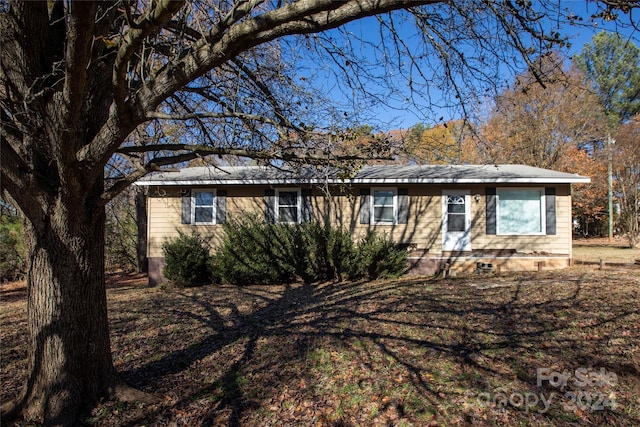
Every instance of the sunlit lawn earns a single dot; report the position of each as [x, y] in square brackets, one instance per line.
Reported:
[594, 250]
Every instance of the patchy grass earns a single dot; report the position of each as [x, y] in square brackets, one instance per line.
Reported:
[407, 352]
[595, 249]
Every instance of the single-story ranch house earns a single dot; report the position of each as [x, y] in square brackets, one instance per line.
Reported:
[450, 218]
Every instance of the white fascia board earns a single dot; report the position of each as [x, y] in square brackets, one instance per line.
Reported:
[209, 182]
[371, 181]
[522, 180]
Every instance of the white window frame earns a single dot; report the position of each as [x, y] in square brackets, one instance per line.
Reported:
[542, 213]
[212, 206]
[394, 221]
[298, 205]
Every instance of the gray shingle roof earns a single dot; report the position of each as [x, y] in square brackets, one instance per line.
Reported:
[379, 174]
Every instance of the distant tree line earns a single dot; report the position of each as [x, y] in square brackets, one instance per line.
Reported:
[565, 124]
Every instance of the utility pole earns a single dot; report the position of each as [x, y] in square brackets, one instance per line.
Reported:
[610, 142]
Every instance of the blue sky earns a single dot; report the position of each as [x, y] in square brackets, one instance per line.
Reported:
[396, 111]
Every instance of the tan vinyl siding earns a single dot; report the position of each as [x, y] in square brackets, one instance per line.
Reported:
[164, 213]
[423, 226]
[422, 232]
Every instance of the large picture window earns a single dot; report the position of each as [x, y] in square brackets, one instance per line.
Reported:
[520, 211]
[204, 207]
[288, 206]
[384, 205]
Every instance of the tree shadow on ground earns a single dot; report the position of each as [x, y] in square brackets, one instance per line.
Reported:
[241, 351]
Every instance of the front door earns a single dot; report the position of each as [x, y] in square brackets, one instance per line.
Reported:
[456, 220]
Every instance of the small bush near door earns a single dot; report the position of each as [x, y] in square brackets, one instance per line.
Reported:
[377, 256]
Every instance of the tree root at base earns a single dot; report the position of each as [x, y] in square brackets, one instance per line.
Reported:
[123, 392]
[119, 391]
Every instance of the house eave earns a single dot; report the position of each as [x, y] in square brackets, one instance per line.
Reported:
[369, 175]
[218, 182]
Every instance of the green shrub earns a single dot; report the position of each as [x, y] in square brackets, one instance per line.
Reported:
[324, 252]
[254, 252]
[339, 252]
[13, 258]
[187, 260]
[378, 257]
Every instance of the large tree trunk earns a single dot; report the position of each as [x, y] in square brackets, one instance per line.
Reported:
[70, 362]
[70, 354]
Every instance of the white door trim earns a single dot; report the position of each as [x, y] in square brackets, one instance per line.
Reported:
[456, 240]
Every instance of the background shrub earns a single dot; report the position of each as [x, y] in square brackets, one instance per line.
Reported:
[120, 236]
[13, 258]
[339, 252]
[187, 260]
[125, 232]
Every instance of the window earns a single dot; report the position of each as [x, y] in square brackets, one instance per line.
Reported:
[203, 203]
[288, 206]
[389, 206]
[384, 205]
[456, 214]
[520, 211]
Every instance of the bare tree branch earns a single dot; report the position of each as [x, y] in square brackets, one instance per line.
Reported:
[302, 17]
[239, 115]
[298, 18]
[12, 178]
[240, 152]
[264, 89]
[196, 151]
[150, 23]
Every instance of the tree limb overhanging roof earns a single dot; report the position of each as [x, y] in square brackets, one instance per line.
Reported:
[380, 174]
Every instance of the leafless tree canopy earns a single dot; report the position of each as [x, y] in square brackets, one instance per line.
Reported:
[239, 75]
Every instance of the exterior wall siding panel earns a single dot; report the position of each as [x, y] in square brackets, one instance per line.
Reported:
[422, 231]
